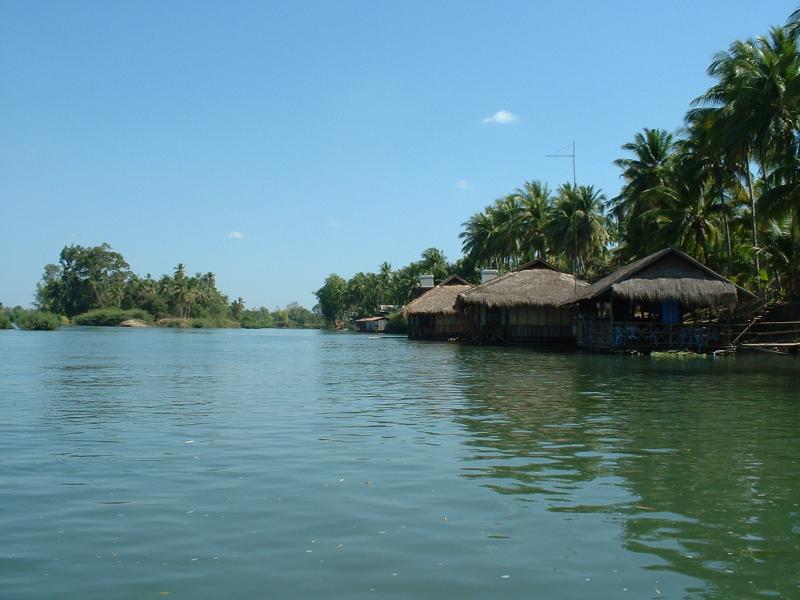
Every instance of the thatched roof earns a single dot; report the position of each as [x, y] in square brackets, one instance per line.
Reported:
[537, 283]
[439, 300]
[668, 275]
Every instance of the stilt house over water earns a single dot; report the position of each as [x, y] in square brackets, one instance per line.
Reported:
[434, 316]
[667, 300]
[526, 306]
[375, 324]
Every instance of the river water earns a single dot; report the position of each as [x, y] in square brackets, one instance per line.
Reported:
[303, 464]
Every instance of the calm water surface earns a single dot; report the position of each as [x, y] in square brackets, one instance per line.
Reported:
[302, 464]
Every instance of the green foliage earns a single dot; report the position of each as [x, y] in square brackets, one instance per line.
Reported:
[213, 323]
[726, 190]
[512, 230]
[362, 295]
[96, 286]
[38, 320]
[237, 308]
[302, 317]
[293, 316]
[396, 324]
[5, 320]
[577, 225]
[84, 278]
[147, 294]
[569, 229]
[280, 319]
[332, 299]
[255, 319]
[174, 322]
[111, 317]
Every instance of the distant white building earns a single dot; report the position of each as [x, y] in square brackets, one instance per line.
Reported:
[371, 324]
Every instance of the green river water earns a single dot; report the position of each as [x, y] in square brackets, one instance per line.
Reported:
[302, 464]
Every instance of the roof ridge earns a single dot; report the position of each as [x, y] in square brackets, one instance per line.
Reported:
[627, 271]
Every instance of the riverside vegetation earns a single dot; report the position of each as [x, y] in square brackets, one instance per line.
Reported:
[95, 286]
[725, 188]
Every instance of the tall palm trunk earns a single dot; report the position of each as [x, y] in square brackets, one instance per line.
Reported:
[727, 239]
[724, 206]
[752, 210]
[794, 275]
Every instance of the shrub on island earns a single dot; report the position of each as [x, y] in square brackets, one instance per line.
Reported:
[111, 317]
[256, 319]
[198, 323]
[35, 320]
[213, 323]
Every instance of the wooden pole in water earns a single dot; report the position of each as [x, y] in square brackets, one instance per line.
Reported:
[611, 317]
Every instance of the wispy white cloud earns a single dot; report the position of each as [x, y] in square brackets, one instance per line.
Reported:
[463, 184]
[236, 235]
[501, 117]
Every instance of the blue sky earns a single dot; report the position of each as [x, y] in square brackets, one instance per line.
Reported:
[275, 143]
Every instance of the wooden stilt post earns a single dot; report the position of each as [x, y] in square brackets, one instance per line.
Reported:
[611, 317]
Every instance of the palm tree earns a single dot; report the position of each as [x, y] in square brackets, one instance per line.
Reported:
[782, 202]
[578, 226]
[688, 215]
[700, 149]
[149, 285]
[756, 105]
[506, 216]
[534, 204]
[237, 307]
[793, 24]
[652, 151]
[781, 248]
[182, 290]
[481, 239]
[757, 93]
[434, 261]
[385, 279]
[510, 230]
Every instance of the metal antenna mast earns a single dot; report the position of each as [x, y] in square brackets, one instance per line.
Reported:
[572, 156]
[574, 189]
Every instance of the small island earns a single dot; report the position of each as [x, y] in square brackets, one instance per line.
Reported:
[96, 286]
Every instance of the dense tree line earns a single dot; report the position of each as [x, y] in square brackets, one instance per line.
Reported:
[724, 188]
[340, 300]
[569, 227]
[95, 286]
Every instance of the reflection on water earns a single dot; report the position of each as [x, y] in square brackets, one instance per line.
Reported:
[698, 461]
[219, 464]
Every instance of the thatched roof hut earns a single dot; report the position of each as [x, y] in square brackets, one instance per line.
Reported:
[535, 284]
[439, 300]
[668, 275]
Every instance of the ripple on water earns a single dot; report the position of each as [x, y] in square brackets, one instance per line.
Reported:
[226, 463]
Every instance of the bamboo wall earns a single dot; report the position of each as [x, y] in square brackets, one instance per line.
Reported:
[422, 327]
[525, 323]
[450, 324]
[540, 322]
